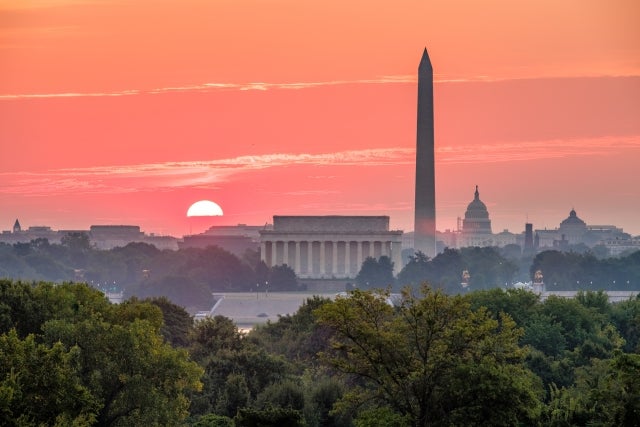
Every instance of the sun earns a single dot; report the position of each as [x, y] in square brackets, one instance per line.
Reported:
[204, 208]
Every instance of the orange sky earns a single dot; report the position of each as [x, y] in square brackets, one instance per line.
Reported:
[127, 111]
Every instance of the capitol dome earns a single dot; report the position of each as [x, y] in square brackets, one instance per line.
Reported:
[476, 218]
[573, 221]
[573, 228]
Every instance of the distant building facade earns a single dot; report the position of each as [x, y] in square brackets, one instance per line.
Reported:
[236, 239]
[328, 247]
[111, 236]
[100, 236]
[574, 231]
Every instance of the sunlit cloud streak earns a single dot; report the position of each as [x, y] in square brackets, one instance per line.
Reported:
[213, 87]
[170, 175]
[251, 86]
[213, 174]
[535, 150]
[9, 97]
[267, 86]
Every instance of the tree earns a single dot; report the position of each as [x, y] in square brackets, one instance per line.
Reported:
[297, 337]
[285, 394]
[40, 384]
[604, 394]
[415, 272]
[431, 358]
[236, 370]
[375, 273]
[519, 304]
[322, 392]
[282, 278]
[177, 323]
[269, 417]
[111, 360]
[213, 420]
[79, 247]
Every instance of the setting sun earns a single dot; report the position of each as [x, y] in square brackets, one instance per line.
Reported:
[204, 208]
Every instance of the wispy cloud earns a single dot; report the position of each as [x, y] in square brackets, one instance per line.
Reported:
[263, 86]
[170, 175]
[212, 174]
[9, 97]
[213, 87]
[250, 86]
[535, 150]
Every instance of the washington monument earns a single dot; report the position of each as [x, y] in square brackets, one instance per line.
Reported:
[425, 203]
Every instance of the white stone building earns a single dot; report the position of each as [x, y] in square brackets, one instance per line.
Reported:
[329, 247]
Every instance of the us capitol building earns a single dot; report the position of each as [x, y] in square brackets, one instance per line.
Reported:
[475, 230]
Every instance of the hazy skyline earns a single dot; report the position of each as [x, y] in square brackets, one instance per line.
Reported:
[127, 112]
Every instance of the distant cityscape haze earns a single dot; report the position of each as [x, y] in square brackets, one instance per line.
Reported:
[99, 127]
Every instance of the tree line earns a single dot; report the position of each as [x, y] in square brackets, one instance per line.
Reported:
[366, 358]
[491, 267]
[186, 276]
[189, 276]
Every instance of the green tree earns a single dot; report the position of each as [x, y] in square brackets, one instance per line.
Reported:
[432, 359]
[381, 417]
[236, 370]
[604, 394]
[322, 391]
[177, 323]
[415, 272]
[283, 394]
[282, 278]
[40, 385]
[519, 304]
[625, 316]
[78, 246]
[269, 418]
[375, 273]
[213, 420]
[114, 354]
[297, 337]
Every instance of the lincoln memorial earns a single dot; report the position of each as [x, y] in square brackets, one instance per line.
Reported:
[329, 247]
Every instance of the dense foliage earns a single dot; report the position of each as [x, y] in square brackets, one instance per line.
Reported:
[366, 358]
[69, 357]
[492, 267]
[187, 277]
[432, 359]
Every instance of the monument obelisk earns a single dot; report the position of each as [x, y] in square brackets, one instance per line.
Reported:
[425, 201]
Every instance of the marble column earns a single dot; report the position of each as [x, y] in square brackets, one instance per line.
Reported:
[347, 259]
[263, 252]
[274, 250]
[334, 266]
[309, 257]
[323, 262]
[384, 249]
[359, 259]
[298, 263]
[285, 253]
